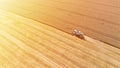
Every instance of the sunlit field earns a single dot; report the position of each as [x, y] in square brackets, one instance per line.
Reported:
[38, 33]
